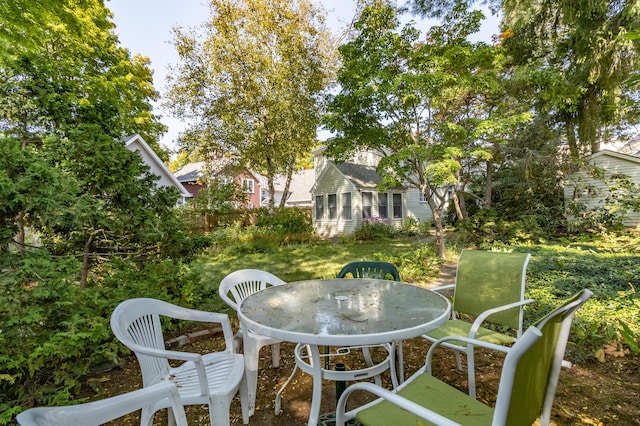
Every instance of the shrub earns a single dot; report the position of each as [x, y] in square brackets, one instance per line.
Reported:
[53, 333]
[374, 229]
[286, 220]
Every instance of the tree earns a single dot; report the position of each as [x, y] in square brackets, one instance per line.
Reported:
[68, 96]
[434, 110]
[577, 57]
[252, 84]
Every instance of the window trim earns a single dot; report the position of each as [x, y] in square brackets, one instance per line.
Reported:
[248, 186]
[400, 206]
[319, 207]
[386, 205]
[370, 206]
[346, 208]
[332, 211]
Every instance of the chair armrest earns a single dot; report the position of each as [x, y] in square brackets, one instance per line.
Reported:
[443, 287]
[163, 353]
[483, 316]
[188, 314]
[392, 397]
[468, 340]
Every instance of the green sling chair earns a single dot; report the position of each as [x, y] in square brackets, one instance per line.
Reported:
[489, 289]
[526, 391]
[383, 271]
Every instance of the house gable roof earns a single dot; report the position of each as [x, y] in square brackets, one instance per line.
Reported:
[359, 176]
[618, 155]
[135, 143]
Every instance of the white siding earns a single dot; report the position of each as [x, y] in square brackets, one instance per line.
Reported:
[416, 209]
[332, 181]
[613, 163]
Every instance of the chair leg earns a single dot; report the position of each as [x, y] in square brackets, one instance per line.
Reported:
[251, 358]
[244, 400]
[275, 355]
[400, 360]
[219, 408]
[471, 371]
[146, 416]
[458, 362]
[237, 343]
[171, 419]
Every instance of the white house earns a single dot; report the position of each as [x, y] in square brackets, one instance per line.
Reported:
[345, 195]
[612, 163]
[135, 143]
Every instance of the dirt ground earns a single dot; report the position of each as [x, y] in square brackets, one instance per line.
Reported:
[593, 393]
[589, 393]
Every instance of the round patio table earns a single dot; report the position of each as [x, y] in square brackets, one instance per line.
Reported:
[340, 312]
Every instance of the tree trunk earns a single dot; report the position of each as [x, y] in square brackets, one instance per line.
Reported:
[436, 211]
[571, 140]
[488, 186]
[270, 185]
[20, 237]
[440, 246]
[85, 262]
[285, 192]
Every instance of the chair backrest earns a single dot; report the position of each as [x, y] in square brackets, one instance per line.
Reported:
[136, 323]
[370, 269]
[105, 410]
[529, 378]
[486, 280]
[240, 284]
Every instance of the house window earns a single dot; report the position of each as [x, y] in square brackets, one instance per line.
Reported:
[319, 207]
[248, 186]
[367, 202]
[423, 198]
[383, 209]
[346, 206]
[397, 206]
[332, 205]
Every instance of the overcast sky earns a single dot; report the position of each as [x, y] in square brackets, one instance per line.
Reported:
[144, 27]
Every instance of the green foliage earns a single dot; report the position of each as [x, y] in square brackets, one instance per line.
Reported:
[601, 200]
[220, 195]
[266, 111]
[374, 229]
[54, 334]
[285, 220]
[576, 58]
[435, 106]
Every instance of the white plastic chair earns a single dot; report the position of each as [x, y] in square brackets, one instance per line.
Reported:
[108, 409]
[232, 290]
[211, 379]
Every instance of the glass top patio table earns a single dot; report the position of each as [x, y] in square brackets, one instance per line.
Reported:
[340, 311]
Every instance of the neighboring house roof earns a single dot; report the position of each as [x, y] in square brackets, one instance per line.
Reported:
[299, 188]
[192, 172]
[135, 143]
